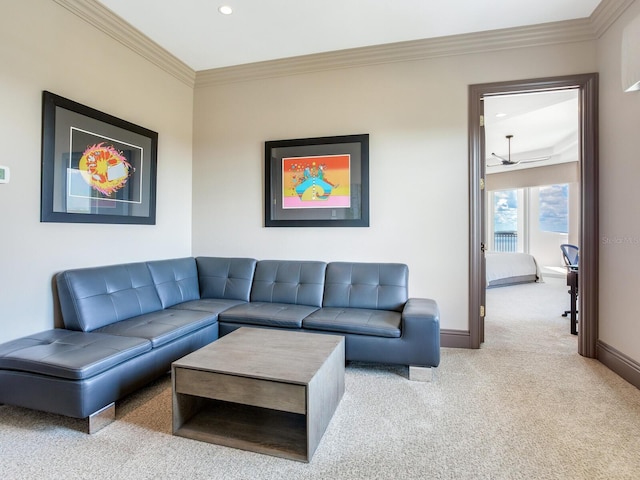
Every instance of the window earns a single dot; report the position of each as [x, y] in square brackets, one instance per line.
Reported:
[554, 208]
[505, 210]
[505, 220]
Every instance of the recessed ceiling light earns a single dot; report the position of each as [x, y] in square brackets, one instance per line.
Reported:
[225, 10]
[501, 115]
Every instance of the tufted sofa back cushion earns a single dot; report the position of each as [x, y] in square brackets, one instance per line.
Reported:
[176, 280]
[225, 278]
[91, 298]
[379, 286]
[286, 281]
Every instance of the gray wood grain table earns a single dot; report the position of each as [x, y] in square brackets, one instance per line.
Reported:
[268, 391]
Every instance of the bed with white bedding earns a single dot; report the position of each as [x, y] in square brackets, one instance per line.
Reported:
[511, 268]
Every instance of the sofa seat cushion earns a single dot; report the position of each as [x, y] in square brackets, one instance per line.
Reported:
[161, 327]
[379, 323]
[268, 314]
[211, 305]
[69, 354]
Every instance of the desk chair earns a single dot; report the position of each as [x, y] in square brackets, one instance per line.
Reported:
[571, 257]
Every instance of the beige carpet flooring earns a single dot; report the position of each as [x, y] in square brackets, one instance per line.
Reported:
[524, 406]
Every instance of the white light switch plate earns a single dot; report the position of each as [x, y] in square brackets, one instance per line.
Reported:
[4, 174]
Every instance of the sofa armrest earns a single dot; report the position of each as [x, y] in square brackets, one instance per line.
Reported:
[421, 319]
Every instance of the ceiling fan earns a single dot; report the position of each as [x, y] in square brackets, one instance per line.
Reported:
[508, 162]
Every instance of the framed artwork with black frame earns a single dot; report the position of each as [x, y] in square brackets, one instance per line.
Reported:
[96, 168]
[317, 182]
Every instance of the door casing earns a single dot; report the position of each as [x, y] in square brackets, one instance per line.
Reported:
[587, 84]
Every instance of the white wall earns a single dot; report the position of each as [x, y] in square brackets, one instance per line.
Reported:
[44, 47]
[416, 115]
[619, 197]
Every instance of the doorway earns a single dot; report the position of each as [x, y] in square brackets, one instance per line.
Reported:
[532, 182]
[586, 85]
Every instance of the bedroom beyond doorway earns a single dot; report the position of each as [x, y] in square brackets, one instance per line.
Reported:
[532, 175]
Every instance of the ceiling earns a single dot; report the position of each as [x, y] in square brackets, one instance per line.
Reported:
[259, 30]
[544, 128]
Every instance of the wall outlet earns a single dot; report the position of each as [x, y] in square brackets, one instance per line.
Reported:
[4, 174]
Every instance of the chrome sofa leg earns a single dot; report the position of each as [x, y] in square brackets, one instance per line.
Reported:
[420, 374]
[100, 419]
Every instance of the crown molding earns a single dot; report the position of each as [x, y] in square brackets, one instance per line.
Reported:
[606, 13]
[109, 23]
[494, 40]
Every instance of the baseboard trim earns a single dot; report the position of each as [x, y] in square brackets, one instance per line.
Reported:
[455, 338]
[619, 363]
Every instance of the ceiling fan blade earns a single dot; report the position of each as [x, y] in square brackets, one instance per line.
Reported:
[510, 163]
[505, 161]
[535, 159]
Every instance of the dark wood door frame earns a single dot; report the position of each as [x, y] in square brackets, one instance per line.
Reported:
[588, 235]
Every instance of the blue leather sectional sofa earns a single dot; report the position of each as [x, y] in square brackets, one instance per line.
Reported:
[125, 324]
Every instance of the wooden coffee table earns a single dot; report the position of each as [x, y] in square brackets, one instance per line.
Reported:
[268, 391]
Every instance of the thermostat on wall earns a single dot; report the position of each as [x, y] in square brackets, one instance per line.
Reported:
[4, 174]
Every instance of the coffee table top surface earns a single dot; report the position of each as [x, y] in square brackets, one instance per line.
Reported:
[269, 354]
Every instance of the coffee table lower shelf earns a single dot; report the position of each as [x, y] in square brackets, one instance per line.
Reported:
[261, 430]
[265, 391]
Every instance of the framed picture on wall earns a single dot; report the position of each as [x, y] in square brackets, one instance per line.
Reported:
[317, 182]
[96, 168]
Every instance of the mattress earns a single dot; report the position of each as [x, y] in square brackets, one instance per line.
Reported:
[511, 268]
